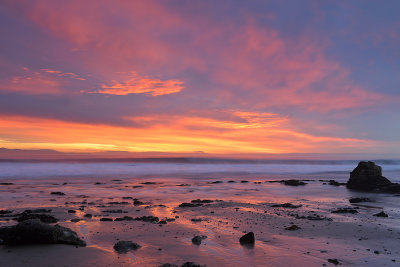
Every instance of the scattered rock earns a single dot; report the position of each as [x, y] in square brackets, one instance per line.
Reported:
[42, 217]
[293, 182]
[202, 201]
[345, 210]
[231, 181]
[88, 215]
[137, 202]
[359, 200]
[247, 239]
[190, 205]
[6, 184]
[2, 212]
[197, 239]
[125, 246]
[197, 220]
[244, 181]
[114, 211]
[216, 182]
[168, 265]
[381, 214]
[292, 228]
[335, 183]
[183, 185]
[75, 220]
[334, 261]
[125, 218]
[147, 219]
[106, 219]
[286, 205]
[34, 231]
[71, 211]
[118, 203]
[57, 193]
[192, 264]
[148, 183]
[367, 176]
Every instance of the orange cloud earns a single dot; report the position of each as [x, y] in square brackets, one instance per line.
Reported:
[141, 85]
[31, 83]
[251, 133]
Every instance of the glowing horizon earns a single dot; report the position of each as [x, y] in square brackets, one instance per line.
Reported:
[184, 76]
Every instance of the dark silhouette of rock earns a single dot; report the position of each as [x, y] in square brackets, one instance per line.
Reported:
[125, 246]
[125, 218]
[189, 205]
[2, 212]
[192, 264]
[197, 239]
[27, 215]
[333, 261]
[359, 200]
[147, 219]
[381, 214]
[345, 210]
[292, 228]
[168, 265]
[293, 182]
[247, 239]
[367, 176]
[57, 193]
[36, 232]
[106, 219]
[202, 201]
[286, 205]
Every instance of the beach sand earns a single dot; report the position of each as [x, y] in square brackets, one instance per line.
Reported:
[237, 207]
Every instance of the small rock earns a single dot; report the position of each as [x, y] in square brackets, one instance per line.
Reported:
[57, 193]
[359, 199]
[197, 239]
[189, 205]
[381, 214]
[292, 228]
[168, 265]
[71, 211]
[106, 219]
[125, 246]
[125, 218]
[192, 264]
[75, 220]
[247, 239]
[345, 210]
[293, 182]
[333, 261]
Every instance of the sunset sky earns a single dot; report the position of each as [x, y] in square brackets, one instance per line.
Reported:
[219, 77]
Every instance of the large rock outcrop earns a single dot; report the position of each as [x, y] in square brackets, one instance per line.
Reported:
[34, 231]
[367, 176]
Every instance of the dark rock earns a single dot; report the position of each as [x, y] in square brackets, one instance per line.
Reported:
[292, 228]
[71, 211]
[197, 239]
[190, 205]
[168, 265]
[35, 232]
[367, 176]
[183, 185]
[88, 215]
[2, 212]
[197, 220]
[118, 203]
[244, 181]
[333, 261]
[231, 181]
[381, 214]
[286, 205]
[41, 210]
[75, 220]
[247, 238]
[216, 182]
[57, 193]
[162, 222]
[147, 219]
[125, 218]
[335, 183]
[293, 182]
[359, 200]
[42, 217]
[106, 219]
[345, 210]
[202, 201]
[192, 264]
[114, 211]
[6, 184]
[125, 246]
[137, 202]
[148, 183]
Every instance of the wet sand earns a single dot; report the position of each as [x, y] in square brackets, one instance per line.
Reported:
[358, 239]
